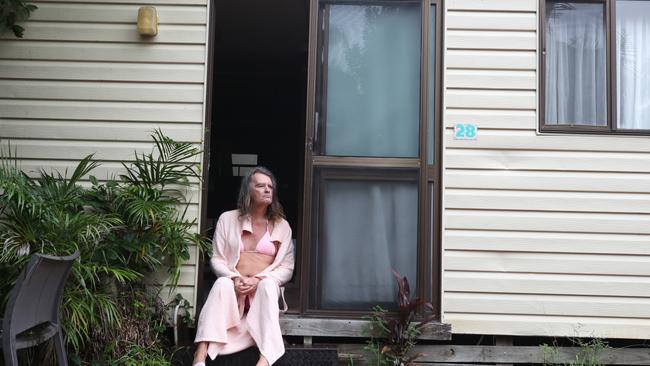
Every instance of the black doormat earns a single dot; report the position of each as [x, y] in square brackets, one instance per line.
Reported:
[312, 355]
[247, 357]
[294, 356]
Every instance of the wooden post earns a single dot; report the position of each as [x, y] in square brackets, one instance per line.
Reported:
[503, 341]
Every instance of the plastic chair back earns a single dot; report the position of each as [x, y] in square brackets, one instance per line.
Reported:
[36, 297]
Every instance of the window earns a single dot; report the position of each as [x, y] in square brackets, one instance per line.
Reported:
[372, 167]
[596, 66]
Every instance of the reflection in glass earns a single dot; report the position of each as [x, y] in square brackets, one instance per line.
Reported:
[432, 86]
[432, 233]
[368, 228]
[633, 64]
[373, 80]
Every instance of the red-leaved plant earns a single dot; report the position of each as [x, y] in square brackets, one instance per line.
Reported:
[398, 331]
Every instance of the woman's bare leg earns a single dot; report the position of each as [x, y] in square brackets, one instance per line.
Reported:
[262, 361]
[201, 352]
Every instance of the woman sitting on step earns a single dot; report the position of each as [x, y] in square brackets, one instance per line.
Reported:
[253, 257]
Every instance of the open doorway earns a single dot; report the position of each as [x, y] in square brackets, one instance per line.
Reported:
[259, 89]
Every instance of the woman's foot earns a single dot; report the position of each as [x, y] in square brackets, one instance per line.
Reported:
[262, 361]
[200, 354]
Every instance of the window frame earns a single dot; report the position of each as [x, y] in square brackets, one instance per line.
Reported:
[428, 210]
[610, 55]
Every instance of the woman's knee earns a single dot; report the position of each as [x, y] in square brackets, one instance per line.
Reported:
[225, 283]
[268, 285]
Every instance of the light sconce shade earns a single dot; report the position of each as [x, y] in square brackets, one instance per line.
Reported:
[147, 21]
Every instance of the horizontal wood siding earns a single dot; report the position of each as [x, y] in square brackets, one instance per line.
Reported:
[83, 81]
[544, 234]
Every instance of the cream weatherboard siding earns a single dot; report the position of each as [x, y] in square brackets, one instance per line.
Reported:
[82, 81]
[544, 234]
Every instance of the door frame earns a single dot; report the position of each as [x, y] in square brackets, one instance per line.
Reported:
[433, 174]
[429, 174]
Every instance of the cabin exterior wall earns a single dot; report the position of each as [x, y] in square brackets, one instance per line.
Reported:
[83, 81]
[544, 234]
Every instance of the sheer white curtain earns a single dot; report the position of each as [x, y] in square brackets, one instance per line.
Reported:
[633, 64]
[576, 75]
[373, 80]
[370, 227]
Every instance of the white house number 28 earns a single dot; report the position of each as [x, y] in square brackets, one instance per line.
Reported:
[465, 131]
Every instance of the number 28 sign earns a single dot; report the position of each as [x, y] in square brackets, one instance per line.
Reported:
[465, 131]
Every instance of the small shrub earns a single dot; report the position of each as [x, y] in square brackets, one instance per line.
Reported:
[399, 333]
[590, 352]
[140, 338]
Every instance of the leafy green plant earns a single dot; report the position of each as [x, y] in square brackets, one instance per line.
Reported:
[140, 338]
[398, 333]
[124, 229]
[147, 199]
[590, 352]
[12, 12]
[48, 215]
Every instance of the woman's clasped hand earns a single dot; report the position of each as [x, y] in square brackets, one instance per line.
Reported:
[245, 285]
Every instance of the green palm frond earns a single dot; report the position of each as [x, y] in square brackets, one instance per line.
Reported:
[16, 188]
[84, 310]
[65, 193]
[142, 206]
[171, 163]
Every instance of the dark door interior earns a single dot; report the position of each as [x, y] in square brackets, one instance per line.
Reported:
[258, 101]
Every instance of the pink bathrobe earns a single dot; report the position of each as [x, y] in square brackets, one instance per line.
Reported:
[222, 322]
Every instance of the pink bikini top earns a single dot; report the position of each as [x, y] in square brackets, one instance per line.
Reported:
[264, 246]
